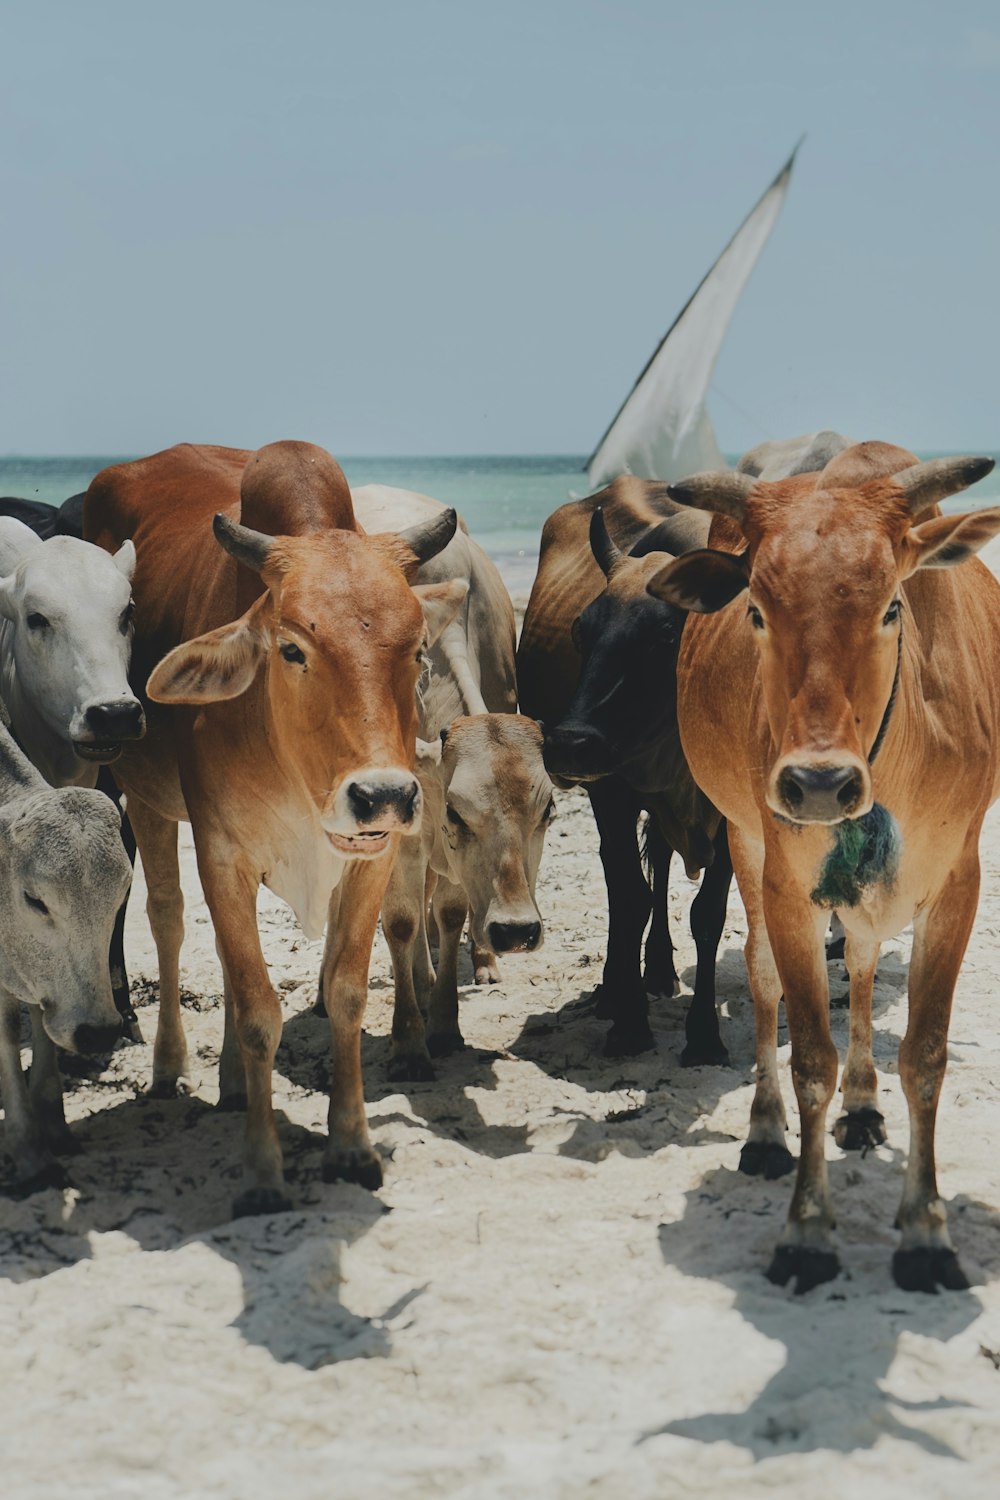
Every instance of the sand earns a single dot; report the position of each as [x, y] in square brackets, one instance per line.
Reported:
[558, 1292]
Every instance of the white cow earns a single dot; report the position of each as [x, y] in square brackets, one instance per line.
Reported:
[63, 876]
[65, 638]
[487, 798]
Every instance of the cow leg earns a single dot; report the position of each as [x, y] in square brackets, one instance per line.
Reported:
[34, 1166]
[45, 1090]
[232, 1074]
[659, 974]
[765, 1153]
[345, 982]
[797, 930]
[230, 887]
[861, 1125]
[703, 1040]
[404, 929]
[156, 838]
[450, 908]
[623, 993]
[925, 1259]
[131, 1029]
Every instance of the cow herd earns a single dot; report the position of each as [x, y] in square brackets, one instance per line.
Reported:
[780, 671]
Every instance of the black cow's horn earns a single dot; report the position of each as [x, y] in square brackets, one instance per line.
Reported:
[725, 492]
[928, 483]
[248, 547]
[430, 537]
[606, 554]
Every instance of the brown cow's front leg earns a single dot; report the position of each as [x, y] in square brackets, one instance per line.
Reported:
[765, 1153]
[404, 929]
[358, 899]
[450, 907]
[797, 929]
[861, 1125]
[231, 893]
[156, 839]
[925, 1259]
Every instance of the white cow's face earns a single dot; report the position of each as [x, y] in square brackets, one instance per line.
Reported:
[63, 875]
[497, 807]
[70, 604]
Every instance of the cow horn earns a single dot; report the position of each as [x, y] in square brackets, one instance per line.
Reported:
[430, 537]
[606, 554]
[927, 483]
[248, 547]
[725, 492]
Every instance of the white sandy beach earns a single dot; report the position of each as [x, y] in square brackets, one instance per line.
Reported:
[559, 1291]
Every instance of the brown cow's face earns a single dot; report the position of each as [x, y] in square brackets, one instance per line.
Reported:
[824, 569]
[340, 637]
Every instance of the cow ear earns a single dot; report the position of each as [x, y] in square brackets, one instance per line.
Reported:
[440, 603]
[429, 752]
[221, 664]
[948, 540]
[704, 581]
[124, 560]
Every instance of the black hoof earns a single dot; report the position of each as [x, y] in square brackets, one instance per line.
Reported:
[413, 1067]
[131, 1030]
[444, 1043]
[661, 986]
[232, 1103]
[809, 1267]
[859, 1130]
[706, 1054]
[261, 1200]
[355, 1166]
[628, 1039]
[766, 1159]
[51, 1176]
[924, 1270]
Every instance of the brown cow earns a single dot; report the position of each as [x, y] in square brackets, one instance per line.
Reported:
[293, 755]
[847, 724]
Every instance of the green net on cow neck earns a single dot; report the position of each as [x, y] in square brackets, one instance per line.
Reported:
[865, 853]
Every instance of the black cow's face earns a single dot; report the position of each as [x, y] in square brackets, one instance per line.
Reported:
[624, 708]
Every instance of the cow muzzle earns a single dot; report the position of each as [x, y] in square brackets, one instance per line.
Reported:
[368, 807]
[577, 752]
[818, 792]
[106, 727]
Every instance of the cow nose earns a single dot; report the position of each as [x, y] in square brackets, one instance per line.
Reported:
[120, 720]
[820, 794]
[514, 937]
[368, 801]
[576, 751]
[95, 1039]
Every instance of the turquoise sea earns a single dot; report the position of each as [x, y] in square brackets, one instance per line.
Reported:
[503, 499]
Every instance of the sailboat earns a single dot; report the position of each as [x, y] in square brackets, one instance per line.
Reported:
[662, 429]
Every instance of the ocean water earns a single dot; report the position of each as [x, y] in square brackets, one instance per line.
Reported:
[504, 500]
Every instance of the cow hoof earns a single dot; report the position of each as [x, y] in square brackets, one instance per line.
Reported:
[705, 1055]
[52, 1175]
[808, 1267]
[766, 1159]
[859, 1129]
[413, 1067]
[925, 1269]
[170, 1088]
[362, 1167]
[661, 986]
[628, 1039]
[261, 1200]
[131, 1030]
[487, 974]
[444, 1043]
[232, 1103]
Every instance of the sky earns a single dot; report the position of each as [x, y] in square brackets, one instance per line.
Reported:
[436, 227]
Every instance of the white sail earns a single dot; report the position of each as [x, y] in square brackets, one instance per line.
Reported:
[663, 430]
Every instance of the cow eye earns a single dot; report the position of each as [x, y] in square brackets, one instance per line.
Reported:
[128, 615]
[892, 613]
[37, 621]
[456, 820]
[34, 902]
[291, 652]
[756, 618]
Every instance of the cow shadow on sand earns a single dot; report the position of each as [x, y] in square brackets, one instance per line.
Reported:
[164, 1173]
[839, 1340]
